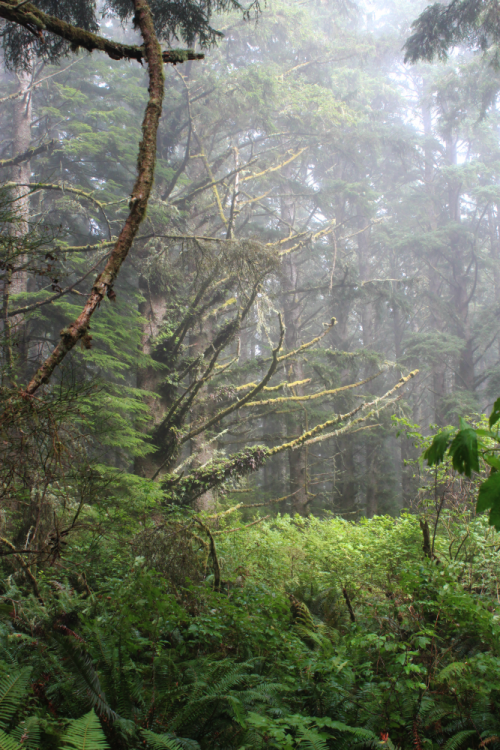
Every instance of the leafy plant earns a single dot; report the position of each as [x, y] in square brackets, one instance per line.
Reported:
[467, 446]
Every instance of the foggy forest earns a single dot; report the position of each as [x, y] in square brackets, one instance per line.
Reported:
[249, 375]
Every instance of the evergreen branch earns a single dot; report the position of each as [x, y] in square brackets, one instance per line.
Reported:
[35, 186]
[58, 295]
[36, 21]
[138, 204]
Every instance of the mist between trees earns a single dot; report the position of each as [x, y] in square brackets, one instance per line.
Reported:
[243, 279]
[302, 170]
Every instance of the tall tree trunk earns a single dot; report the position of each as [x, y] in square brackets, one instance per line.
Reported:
[148, 379]
[21, 177]
[438, 366]
[295, 421]
[368, 334]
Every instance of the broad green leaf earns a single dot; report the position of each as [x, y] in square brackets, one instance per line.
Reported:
[489, 498]
[464, 453]
[495, 414]
[493, 461]
[486, 433]
[435, 452]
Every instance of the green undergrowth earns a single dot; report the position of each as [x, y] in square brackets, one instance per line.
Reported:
[324, 634]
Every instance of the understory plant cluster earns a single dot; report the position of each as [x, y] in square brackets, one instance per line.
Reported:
[290, 633]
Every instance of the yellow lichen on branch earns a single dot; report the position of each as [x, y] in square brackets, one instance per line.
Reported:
[309, 436]
[284, 384]
[313, 396]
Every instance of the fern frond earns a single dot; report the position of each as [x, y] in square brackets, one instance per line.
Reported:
[311, 740]
[85, 734]
[27, 733]
[12, 690]
[168, 741]
[457, 741]
[86, 677]
[7, 742]
[455, 669]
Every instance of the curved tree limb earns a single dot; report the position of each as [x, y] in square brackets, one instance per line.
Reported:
[34, 187]
[36, 21]
[138, 203]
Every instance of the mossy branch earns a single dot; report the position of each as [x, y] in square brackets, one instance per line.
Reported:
[27, 155]
[284, 384]
[310, 436]
[34, 187]
[138, 203]
[313, 396]
[185, 490]
[36, 21]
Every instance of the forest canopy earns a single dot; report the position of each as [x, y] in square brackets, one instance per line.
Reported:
[249, 375]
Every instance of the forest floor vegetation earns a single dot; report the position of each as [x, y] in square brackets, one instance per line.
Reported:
[323, 633]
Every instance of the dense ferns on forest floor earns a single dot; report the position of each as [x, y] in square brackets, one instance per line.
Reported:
[324, 634]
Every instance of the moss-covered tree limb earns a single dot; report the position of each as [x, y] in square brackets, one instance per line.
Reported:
[138, 203]
[185, 490]
[27, 155]
[289, 355]
[309, 436]
[34, 187]
[37, 22]
[313, 396]
[284, 384]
